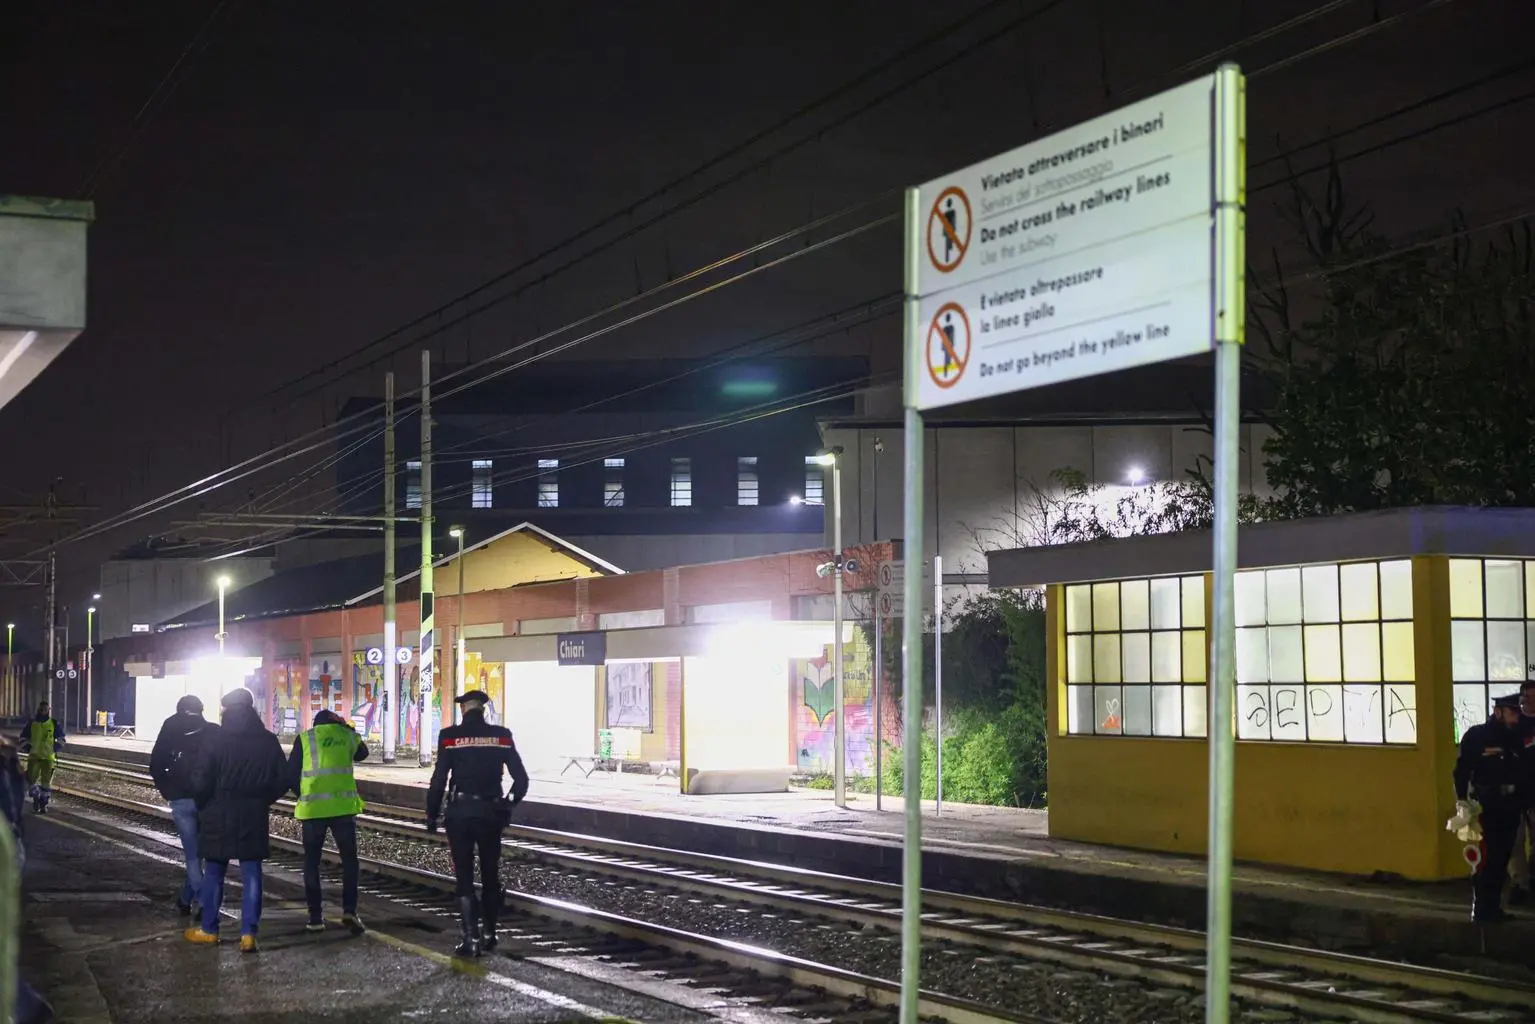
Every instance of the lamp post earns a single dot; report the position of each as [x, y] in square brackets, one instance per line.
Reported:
[10, 669]
[90, 660]
[223, 582]
[839, 742]
[457, 533]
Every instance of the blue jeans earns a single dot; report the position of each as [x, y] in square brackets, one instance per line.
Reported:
[184, 812]
[213, 895]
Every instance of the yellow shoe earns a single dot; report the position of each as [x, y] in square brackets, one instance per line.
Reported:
[198, 937]
[247, 943]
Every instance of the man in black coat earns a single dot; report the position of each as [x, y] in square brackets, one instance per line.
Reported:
[240, 772]
[1490, 770]
[170, 765]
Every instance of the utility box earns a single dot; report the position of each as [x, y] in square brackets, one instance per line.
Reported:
[42, 284]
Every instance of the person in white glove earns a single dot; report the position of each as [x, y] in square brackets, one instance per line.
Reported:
[1490, 769]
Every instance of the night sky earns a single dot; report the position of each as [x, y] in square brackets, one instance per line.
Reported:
[317, 174]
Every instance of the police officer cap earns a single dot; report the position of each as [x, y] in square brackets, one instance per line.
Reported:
[189, 705]
[473, 695]
[239, 697]
[1511, 701]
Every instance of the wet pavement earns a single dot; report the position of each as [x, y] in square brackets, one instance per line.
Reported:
[102, 940]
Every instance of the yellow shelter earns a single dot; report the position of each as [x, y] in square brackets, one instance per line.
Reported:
[1366, 645]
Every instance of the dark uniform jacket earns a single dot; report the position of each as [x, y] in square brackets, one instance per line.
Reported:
[240, 773]
[474, 753]
[1490, 768]
[175, 752]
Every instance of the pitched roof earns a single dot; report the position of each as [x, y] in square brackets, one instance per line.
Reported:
[347, 582]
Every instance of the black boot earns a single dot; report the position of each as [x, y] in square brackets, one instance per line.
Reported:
[490, 912]
[469, 925]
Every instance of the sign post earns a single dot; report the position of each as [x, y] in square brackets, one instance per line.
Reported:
[1113, 244]
[1229, 174]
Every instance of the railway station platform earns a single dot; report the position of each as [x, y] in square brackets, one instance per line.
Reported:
[101, 940]
[1004, 853]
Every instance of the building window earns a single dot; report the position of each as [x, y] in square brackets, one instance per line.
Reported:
[481, 486]
[1325, 654]
[613, 483]
[746, 480]
[413, 483]
[1135, 657]
[682, 483]
[548, 483]
[1492, 626]
[815, 481]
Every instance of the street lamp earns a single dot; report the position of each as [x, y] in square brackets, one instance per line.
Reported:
[10, 669]
[830, 457]
[457, 533]
[90, 660]
[223, 582]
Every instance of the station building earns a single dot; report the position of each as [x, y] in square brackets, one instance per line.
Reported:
[1366, 645]
[718, 675]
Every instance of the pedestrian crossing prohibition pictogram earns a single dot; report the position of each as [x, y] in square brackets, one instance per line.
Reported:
[948, 345]
[948, 229]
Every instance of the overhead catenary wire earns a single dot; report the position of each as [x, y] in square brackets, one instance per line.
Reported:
[998, 34]
[675, 207]
[282, 454]
[157, 100]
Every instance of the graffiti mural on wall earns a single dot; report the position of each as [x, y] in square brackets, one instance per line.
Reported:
[815, 721]
[366, 699]
[284, 694]
[489, 676]
[324, 684]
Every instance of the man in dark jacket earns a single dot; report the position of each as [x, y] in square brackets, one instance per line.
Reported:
[320, 772]
[31, 1007]
[170, 765]
[235, 782]
[1490, 770]
[474, 754]
[1519, 866]
[41, 738]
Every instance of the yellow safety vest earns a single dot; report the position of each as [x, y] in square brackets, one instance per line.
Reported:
[40, 739]
[327, 788]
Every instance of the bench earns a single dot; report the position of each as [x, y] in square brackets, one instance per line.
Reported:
[124, 732]
[589, 764]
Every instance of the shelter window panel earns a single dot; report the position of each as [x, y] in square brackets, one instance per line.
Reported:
[1135, 657]
[613, 483]
[1492, 634]
[1325, 654]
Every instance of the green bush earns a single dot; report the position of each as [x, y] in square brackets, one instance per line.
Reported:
[994, 708]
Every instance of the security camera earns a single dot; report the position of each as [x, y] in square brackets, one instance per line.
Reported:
[879, 446]
[851, 565]
[825, 569]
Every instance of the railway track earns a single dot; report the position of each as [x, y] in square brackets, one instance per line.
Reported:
[1295, 979]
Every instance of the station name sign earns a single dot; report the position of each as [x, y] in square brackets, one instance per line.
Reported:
[582, 648]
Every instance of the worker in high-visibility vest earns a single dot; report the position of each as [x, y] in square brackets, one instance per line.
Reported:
[41, 738]
[320, 772]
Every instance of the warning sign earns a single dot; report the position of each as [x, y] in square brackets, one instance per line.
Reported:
[948, 345]
[948, 229]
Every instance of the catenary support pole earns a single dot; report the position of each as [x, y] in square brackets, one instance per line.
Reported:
[879, 733]
[839, 738]
[428, 613]
[1229, 319]
[392, 703]
[53, 582]
[911, 644]
[938, 683]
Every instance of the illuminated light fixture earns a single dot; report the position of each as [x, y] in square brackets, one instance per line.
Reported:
[795, 499]
[1136, 475]
[456, 532]
[826, 458]
[95, 597]
[749, 389]
[223, 582]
